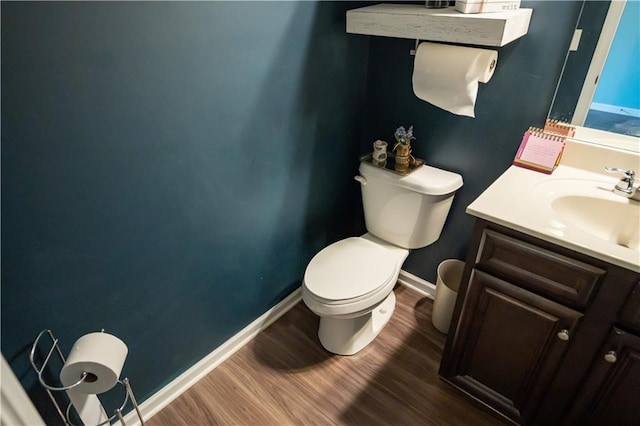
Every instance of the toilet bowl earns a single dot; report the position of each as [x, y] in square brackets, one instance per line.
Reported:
[349, 284]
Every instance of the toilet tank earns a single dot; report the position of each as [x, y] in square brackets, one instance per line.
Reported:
[407, 210]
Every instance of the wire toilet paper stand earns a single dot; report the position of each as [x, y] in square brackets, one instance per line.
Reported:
[54, 350]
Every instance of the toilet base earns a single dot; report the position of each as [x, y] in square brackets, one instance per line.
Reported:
[348, 336]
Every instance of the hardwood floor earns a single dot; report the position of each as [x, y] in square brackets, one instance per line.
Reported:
[284, 376]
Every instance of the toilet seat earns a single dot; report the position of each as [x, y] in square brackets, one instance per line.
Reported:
[348, 271]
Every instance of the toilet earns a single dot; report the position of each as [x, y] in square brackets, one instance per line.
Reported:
[349, 284]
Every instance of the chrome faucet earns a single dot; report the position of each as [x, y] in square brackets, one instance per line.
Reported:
[625, 186]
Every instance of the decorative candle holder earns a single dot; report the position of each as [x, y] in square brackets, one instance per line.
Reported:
[379, 156]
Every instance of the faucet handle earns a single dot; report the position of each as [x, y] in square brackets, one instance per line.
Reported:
[625, 186]
[630, 174]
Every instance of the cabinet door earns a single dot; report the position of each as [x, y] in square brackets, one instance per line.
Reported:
[611, 392]
[507, 346]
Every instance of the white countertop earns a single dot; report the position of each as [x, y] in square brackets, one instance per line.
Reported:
[514, 201]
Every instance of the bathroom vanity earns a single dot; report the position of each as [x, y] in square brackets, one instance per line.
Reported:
[546, 328]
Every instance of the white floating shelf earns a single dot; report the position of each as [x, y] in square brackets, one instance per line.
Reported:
[419, 23]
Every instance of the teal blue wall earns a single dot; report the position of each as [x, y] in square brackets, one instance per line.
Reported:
[169, 168]
[619, 84]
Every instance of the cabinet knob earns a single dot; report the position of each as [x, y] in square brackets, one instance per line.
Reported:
[611, 357]
[563, 334]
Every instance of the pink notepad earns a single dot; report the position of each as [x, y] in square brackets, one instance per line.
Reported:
[539, 151]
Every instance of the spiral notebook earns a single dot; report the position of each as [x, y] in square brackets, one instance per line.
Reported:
[560, 128]
[539, 151]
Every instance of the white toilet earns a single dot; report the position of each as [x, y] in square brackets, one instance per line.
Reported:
[349, 284]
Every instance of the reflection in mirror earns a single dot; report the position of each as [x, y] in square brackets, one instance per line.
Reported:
[599, 87]
[615, 106]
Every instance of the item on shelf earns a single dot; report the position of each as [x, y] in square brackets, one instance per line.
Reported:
[486, 6]
[437, 4]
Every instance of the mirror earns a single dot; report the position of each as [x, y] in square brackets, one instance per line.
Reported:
[599, 87]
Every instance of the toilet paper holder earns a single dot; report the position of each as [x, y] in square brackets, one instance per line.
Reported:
[413, 51]
[54, 350]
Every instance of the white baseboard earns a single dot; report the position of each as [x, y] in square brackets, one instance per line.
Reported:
[416, 283]
[180, 384]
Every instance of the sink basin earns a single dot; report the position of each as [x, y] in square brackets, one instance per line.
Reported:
[590, 206]
[617, 222]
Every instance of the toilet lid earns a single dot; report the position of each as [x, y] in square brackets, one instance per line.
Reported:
[348, 269]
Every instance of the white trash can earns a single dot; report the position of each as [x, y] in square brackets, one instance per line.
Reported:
[447, 285]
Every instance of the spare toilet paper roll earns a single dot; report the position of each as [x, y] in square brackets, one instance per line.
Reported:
[447, 76]
[101, 356]
[88, 407]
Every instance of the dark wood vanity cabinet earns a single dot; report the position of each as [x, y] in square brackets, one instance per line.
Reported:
[544, 335]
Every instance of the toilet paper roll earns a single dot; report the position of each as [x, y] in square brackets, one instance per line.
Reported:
[101, 356]
[88, 407]
[447, 76]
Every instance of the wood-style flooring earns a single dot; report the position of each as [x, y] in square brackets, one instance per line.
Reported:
[285, 377]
